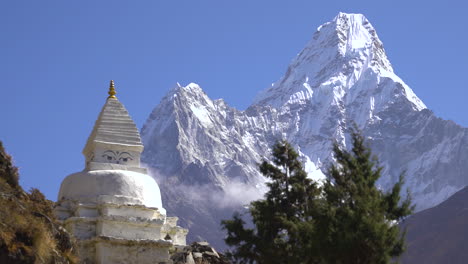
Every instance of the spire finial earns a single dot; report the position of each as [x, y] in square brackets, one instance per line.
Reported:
[112, 91]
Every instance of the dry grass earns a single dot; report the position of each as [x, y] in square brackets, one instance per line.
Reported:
[29, 232]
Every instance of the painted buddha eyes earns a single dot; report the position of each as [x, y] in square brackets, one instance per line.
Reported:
[125, 157]
[117, 156]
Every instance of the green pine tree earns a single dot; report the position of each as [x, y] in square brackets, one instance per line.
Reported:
[281, 219]
[359, 222]
[348, 220]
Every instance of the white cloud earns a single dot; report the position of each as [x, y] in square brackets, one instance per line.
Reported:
[233, 195]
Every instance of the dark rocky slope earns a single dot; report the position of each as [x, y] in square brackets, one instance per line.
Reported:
[439, 234]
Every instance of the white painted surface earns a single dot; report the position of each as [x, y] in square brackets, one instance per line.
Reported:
[110, 252]
[114, 207]
[115, 126]
[118, 186]
[130, 211]
[129, 230]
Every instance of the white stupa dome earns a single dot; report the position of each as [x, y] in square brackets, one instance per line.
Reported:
[119, 187]
[113, 173]
[113, 207]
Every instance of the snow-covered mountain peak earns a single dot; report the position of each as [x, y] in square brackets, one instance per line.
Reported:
[191, 96]
[206, 153]
[344, 61]
[180, 98]
[354, 29]
[357, 35]
[191, 88]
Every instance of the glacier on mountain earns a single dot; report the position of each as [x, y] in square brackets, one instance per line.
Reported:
[341, 77]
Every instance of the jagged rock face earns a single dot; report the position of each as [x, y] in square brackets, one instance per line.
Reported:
[201, 141]
[198, 253]
[341, 77]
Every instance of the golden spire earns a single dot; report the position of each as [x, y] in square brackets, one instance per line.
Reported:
[112, 91]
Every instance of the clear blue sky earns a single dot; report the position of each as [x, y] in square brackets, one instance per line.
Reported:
[57, 57]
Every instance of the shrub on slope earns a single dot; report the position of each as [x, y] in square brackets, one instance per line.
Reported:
[29, 232]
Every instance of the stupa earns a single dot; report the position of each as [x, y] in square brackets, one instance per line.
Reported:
[113, 207]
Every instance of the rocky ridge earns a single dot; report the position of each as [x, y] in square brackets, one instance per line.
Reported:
[198, 253]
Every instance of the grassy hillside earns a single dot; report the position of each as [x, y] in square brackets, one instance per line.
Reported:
[29, 232]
